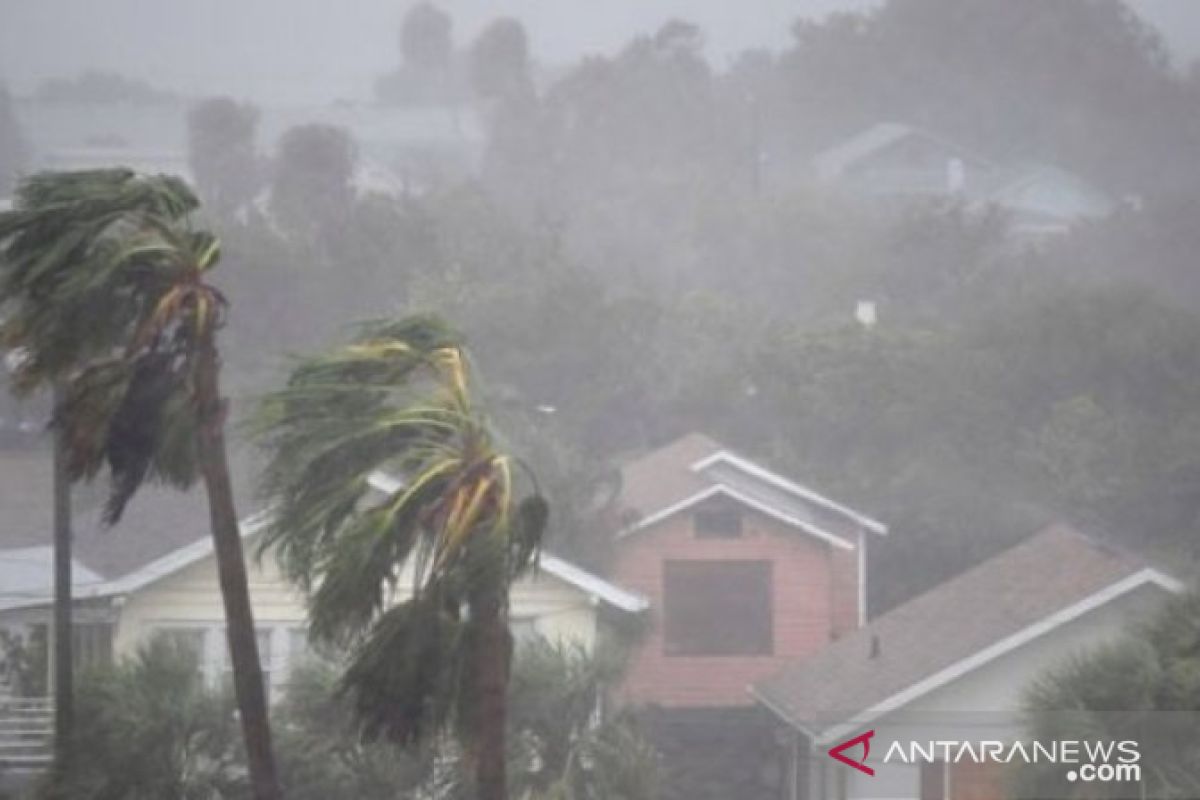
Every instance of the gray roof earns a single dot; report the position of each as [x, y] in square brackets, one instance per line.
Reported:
[25, 576]
[1000, 598]
[836, 160]
[158, 520]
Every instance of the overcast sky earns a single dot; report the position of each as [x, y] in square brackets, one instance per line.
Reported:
[319, 50]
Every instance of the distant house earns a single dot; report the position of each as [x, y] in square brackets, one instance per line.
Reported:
[155, 573]
[898, 162]
[952, 664]
[400, 149]
[893, 159]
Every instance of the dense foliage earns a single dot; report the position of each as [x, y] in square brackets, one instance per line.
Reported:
[644, 254]
[1143, 688]
[149, 728]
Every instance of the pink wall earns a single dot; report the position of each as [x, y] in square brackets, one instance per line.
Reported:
[815, 597]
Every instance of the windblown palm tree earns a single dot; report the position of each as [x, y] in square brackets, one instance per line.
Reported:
[106, 290]
[415, 585]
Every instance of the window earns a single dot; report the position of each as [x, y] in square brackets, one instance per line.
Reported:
[299, 651]
[524, 629]
[718, 522]
[717, 608]
[186, 640]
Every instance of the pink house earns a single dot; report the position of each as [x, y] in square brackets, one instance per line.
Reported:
[745, 570]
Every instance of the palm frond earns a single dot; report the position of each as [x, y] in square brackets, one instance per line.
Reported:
[102, 281]
[395, 399]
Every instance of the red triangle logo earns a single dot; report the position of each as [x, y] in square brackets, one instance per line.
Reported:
[865, 740]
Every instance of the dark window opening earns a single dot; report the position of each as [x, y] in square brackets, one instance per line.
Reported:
[718, 523]
[717, 608]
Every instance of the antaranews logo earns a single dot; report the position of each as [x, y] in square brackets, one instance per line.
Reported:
[1086, 761]
[838, 752]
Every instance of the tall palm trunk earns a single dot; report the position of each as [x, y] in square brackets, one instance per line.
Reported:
[491, 662]
[64, 664]
[231, 567]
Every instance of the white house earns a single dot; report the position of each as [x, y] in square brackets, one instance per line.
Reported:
[155, 573]
[952, 665]
[893, 161]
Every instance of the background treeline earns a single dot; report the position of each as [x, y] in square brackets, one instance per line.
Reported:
[644, 253]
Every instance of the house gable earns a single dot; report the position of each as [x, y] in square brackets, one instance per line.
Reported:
[1016, 598]
[695, 469]
[796, 554]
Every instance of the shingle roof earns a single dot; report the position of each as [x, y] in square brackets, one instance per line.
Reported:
[693, 468]
[662, 478]
[1048, 573]
[157, 521]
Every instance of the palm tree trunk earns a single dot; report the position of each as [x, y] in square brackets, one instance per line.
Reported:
[231, 567]
[63, 660]
[492, 665]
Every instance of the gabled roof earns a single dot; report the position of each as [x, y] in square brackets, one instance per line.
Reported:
[1052, 578]
[593, 585]
[695, 468]
[157, 522]
[834, 161]
[25, 577]
[599, 589]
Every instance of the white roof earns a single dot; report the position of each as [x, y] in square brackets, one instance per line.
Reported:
[27, 573]
[831, 163]
[593, 585]
[597, 587]
[766, 476]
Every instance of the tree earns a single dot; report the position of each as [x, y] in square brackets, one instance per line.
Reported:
[564, 750]
[221, 152]
[1143, 687]
[416, 584]
[322, 755]
[14, 150]
[311, 190]
[150, 728]
[1017, 78]
[428, 73]
[107, 281]
[499, 60]
[425, 39]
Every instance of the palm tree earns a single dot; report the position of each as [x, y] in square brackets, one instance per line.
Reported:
[57, 218]
[109, 295]
[415, 585]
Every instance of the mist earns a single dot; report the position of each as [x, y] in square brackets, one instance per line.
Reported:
[649, 399]
[315, 52]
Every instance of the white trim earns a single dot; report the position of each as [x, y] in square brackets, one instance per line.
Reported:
[752, 690]
[758, 505]
[749, 467]
[862, 579]
[172, 562]
[593, 585]
[1000, 648]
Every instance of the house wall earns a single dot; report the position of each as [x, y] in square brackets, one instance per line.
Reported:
[191, 598]
[985, 703]
[814, 598]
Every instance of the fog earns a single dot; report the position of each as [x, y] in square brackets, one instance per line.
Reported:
[319, 50]
[755, 374]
